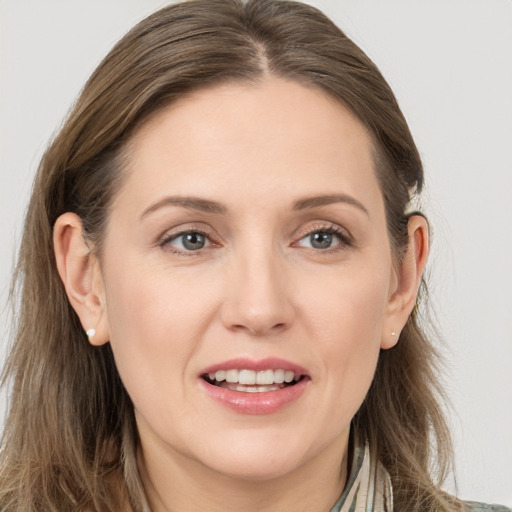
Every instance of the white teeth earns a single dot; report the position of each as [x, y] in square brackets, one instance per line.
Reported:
[220, 375]
[232, 376]
[247, 389]
[265, 377]
[252, 378]
[247, 377]
[279, 376]
[255, 389]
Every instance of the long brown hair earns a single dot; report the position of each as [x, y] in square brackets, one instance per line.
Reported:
[70, 431]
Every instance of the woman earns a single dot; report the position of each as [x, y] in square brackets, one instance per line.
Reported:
[220, 277]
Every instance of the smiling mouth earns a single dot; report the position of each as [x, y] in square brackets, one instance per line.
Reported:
[250, 381]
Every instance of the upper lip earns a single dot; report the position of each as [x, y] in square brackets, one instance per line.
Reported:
[269, 363]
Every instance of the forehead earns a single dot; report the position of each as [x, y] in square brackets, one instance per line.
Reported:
[273, 136]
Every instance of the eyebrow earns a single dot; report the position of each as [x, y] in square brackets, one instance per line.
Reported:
[190, 203]
[317, 201]
[208, 206]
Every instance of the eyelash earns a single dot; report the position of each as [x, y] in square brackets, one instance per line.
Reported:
[345, 240]
[166, 242]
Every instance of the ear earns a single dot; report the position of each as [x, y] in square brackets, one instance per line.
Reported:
[408, 280]
[81, 275]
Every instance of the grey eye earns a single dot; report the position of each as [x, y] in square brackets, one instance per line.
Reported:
[321, 240]
[192, 241]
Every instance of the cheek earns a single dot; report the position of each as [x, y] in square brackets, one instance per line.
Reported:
[156, 322]
[347, 323]
[348, 306]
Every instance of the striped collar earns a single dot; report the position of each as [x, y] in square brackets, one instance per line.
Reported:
[368, 487]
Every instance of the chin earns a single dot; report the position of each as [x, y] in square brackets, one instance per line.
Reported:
[255, 469]
[254, 457]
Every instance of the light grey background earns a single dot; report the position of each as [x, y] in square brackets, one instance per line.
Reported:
[450, 64]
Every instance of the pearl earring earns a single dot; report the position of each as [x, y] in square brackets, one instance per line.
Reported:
[392, 334]
[90, 333]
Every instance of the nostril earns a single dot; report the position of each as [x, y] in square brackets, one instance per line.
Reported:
[257, 329]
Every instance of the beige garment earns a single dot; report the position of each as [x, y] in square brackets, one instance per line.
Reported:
[368, 487]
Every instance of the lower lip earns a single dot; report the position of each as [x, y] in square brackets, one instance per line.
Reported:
[267, 402]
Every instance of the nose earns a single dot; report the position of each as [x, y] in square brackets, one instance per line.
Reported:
[257, 297]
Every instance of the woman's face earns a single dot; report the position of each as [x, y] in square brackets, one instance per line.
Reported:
[248, 244]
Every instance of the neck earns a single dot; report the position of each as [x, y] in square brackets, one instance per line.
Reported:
[174, 482]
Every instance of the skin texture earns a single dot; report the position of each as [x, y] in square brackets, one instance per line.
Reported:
[258, 288]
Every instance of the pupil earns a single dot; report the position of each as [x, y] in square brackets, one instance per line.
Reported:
[321, 240]
[193, 241]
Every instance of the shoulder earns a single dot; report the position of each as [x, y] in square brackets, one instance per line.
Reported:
[473, 506]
